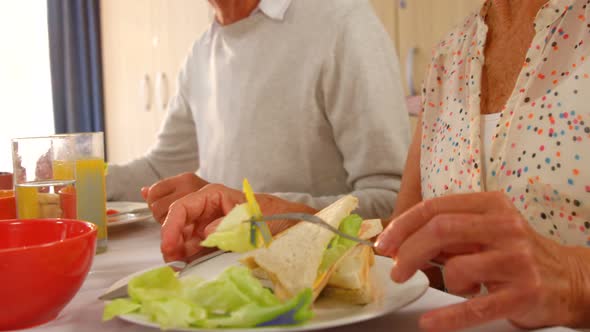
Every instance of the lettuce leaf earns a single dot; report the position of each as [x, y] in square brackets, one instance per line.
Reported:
[295, 311]
[174, 313]
[235, 233]
[119, 307]
[156, 284]
[350, 225]
[234, 299]
[232, 234]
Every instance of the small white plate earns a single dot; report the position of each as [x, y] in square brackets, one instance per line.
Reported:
[126, 219]
[327, 313]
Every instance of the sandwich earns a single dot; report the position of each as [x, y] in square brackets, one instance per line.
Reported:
[304, 256]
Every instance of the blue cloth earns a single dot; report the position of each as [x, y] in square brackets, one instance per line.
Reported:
[76, 69]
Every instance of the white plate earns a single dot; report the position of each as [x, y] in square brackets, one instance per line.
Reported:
[127, 219]
[327, 313]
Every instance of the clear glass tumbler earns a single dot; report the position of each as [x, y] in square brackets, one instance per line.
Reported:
[40, 192]
[85, 161]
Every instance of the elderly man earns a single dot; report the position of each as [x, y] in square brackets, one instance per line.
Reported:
[302, 97]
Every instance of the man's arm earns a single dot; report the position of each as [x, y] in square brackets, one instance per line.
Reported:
[364, 103]
[175, 152]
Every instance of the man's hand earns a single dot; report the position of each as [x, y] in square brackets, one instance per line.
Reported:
[165, 192]
[196, 215]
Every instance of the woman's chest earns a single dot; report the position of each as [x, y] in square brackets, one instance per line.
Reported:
[540, 148]
[505, 53]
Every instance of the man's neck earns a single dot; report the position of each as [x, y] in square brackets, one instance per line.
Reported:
[231, 11]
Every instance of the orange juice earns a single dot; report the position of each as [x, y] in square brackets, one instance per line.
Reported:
[91, 197]
[90, 192]
[44, 199]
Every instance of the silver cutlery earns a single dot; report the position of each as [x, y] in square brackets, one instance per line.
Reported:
[131, 212]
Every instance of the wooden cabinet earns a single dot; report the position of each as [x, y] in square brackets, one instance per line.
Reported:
[181, 23]
[416, 26]
[144, 43]
[387, 11]
[422, 24]
[124, 38]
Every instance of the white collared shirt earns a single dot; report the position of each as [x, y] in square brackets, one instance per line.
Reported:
[274, 9]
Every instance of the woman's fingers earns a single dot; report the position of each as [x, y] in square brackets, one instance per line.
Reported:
[465, 273]
[408, 223]
[473, 312]
[442, 232]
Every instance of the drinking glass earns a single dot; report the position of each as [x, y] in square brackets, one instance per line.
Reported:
[39, 192]
[84, 159]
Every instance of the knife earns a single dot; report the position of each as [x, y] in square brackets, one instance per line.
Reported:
[119, 288]
[136, 211]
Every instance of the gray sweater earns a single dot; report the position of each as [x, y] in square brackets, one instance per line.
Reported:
[308, 107]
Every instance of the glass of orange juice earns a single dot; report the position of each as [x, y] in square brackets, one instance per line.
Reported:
[39, 192]
[84, 160]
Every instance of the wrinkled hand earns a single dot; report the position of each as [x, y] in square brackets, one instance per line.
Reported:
[165, 192]
[196, 215]
[484, 240]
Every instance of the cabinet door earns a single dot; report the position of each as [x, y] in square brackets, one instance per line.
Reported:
[126, 28]
[179, 23]
[422, 24]
[386, 10]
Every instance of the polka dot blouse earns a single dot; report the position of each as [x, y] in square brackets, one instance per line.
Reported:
[540, 153]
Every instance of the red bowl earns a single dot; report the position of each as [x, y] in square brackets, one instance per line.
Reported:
[6, 181]
[7, 204]
[43, 263]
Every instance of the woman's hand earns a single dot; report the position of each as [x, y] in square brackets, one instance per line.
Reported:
[194, 216]
[483, 239]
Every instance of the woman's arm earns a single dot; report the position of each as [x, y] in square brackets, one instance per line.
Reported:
[411, 192]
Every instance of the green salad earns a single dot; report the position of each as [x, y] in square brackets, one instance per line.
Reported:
[350, 225]
[234, 299]
[235, 232]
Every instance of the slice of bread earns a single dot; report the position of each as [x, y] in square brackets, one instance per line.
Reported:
[292, 260]
[351, 281]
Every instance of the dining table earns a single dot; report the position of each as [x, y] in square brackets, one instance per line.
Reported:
[136, 247]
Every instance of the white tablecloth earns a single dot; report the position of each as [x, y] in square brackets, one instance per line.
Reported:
[136, 246]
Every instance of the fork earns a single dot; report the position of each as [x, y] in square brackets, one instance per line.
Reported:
[310, 218]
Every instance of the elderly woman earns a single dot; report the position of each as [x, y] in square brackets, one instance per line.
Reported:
[497, 182]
